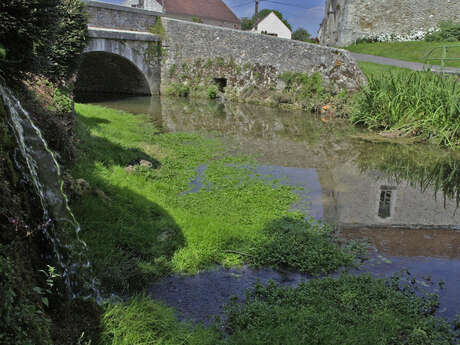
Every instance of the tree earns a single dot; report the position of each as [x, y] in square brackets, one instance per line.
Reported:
[246, 23]
[26, 29]
[301, 35]
[70, 39]
[41, 36]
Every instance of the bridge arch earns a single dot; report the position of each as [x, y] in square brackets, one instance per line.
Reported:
[111, 65]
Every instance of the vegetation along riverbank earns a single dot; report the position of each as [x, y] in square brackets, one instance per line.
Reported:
[96, 204]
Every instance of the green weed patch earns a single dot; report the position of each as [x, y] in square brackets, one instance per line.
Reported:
[146, 223]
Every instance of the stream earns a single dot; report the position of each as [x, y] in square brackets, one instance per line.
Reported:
[401, 199]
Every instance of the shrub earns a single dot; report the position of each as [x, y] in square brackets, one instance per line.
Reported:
[69, 39]
[64, 103]
[300, 245]
[422, 104]
[26, 32]
[22, 318]
[354, 310]
[448, 31]
[41, 36]
[211, 92]
[178, 90]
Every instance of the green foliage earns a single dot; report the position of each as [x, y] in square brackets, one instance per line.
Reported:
[354, 310]
[158, 29]
[151, 221]
[142, 321]
[421, 104]
[26, 32]
[212, 91]
[63, 102]
[246, 24]
[69, 40]
[45, 36]
[178, 90]
[197, 20]
[22, 318]
[305, 89]
[370, 68]
[424, 169]
[2, 52]
[172, 71]
[301, 35]
[448, 31]
[301, 245]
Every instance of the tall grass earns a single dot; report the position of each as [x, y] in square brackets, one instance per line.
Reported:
[420, 104]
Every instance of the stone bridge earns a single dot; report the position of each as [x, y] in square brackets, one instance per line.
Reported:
[134, 51]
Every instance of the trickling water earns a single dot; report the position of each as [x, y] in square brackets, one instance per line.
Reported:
[60, 226]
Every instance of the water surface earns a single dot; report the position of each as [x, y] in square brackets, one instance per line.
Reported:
[401, 199]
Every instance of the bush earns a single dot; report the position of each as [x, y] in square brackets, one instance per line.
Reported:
[22, 318]
[41, 36]
[211, 92]
[64, 103]
[356, 310]
[448, 31]
[302, 246]
[69, 40]
[26, 32]
[178, 90]
[422, 104]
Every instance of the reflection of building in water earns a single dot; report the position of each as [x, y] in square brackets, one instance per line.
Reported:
[409, 242]
[370, 199]
[342, 194]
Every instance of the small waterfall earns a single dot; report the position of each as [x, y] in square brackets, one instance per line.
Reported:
[60, 228]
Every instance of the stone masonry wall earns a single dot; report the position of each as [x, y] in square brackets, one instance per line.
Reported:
[104, 15]
[187, 42]
[347, 20]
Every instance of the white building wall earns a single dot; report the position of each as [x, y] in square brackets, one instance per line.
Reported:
[150, 5]
[273, 25]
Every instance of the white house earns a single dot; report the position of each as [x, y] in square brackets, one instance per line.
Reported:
[272, 25]
[150, 5]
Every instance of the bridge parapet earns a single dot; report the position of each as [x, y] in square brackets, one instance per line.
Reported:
[104, 15]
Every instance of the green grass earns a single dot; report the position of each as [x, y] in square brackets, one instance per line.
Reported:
[414, 51]
[370, 68]
[415, 104]
[348, 310]
[148, 227]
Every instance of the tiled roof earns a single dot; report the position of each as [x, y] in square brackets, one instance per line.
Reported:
[213, 9]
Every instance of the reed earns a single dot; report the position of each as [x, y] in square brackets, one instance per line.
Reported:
[421, 104]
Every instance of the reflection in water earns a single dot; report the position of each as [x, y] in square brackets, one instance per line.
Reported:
[402, 199]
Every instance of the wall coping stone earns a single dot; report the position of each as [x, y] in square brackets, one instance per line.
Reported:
[115, 34]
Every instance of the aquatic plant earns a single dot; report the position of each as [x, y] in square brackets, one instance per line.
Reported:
[421, 104]
[346, 310]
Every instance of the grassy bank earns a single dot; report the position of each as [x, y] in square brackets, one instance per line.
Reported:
[407, 103]
[371, 69]
[414, 51]
[348, 310]
[142, 223]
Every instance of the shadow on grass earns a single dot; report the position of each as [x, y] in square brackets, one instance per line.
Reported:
[131, 239]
